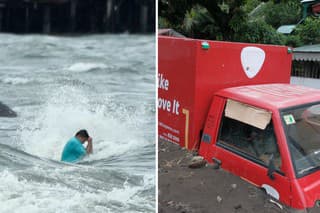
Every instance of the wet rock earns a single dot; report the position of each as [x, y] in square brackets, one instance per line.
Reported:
[196, 158]
[5, 111]
[234, 186]
[170, 203]
[197, 162]
[237, 206]
[219, 199]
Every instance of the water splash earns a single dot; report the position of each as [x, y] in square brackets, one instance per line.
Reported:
[69, 110]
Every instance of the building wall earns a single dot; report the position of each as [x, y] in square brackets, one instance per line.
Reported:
[306, 69]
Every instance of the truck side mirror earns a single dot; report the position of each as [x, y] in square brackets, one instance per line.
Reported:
[271, 168]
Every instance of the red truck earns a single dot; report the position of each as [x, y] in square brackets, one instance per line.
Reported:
[233, 103]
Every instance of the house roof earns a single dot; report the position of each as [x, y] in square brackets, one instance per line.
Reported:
[307, 53]
[286, 29]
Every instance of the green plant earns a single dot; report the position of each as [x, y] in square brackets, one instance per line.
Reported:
[259, 32]
[309, 31]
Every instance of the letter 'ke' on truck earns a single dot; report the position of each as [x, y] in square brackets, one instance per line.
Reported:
[233, 103]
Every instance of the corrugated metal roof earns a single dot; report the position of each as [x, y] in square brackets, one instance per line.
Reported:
[286, 29]
[307, 53]
[308, 48]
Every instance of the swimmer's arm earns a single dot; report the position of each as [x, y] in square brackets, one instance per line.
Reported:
[89, 146]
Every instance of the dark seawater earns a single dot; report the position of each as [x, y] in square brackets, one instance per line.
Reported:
[58, 85]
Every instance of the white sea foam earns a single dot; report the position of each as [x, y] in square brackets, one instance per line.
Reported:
[84, 67]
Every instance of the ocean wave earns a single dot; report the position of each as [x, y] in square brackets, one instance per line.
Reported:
[33, 195]
[15, 80]
[85, 67]
[43, 185]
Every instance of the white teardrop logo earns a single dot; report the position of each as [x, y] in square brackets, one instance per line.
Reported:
[252, 59]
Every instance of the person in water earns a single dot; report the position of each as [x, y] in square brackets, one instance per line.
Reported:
[74, 149]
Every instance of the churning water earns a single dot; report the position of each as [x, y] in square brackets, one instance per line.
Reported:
[58, 85]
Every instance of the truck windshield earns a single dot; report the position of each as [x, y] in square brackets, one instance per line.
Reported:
[302, 127]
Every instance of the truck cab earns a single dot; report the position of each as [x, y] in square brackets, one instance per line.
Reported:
[269, 135]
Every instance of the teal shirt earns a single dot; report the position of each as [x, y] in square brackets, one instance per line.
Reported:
[73, 151]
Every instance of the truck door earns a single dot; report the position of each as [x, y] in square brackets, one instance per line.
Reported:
[246, 146]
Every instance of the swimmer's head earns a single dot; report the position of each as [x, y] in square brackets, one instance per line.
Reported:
[82, 135]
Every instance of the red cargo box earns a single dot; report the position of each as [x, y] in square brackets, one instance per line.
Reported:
[190, 71]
